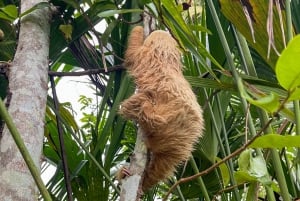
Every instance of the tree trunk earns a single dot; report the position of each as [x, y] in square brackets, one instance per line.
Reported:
[28, 86]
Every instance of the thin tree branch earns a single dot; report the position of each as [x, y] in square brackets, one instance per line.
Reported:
[226, 189]
[86, 72]
[121, 18]
[61, 143]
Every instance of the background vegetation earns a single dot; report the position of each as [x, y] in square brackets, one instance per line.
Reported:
[235, 58]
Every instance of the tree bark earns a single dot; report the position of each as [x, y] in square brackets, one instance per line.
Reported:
[28, 80]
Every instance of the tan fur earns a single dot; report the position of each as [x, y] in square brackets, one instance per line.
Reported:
[164, 105]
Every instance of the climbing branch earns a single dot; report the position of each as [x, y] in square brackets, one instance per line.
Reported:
[86, 72]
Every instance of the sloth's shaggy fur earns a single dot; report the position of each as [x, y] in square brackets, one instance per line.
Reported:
[164, 105]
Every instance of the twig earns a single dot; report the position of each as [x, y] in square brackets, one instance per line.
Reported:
[121, 18]
[86, 72]
[61, 143]
[226, 189]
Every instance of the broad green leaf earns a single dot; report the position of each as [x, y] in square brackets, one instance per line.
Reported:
[270, 102]
[253, 166]
[115, 142]
[244, 160]
[110, 13]
[9, 12]
[276, 141]
[224, 172]
[242, 177]
[295, 94]
[5, 17]
[67, 30]
[288, 68]
[51, 153]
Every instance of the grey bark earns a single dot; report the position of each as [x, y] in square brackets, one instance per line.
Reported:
[28, 80]
[131, 186]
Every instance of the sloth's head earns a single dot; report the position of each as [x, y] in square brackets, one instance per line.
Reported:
[162, 46]
[161, 40]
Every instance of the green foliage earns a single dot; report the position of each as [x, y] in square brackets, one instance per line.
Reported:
[287, 69]
[252, 19]
[101, 141]
[7, 42]
[252, 168]
[67, 31]
[270, 102]
[276, 141]
[9, 13]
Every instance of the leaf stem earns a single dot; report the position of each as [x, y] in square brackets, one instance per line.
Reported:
[199, 179]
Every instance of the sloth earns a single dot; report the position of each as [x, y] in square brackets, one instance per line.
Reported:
[164, 105]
